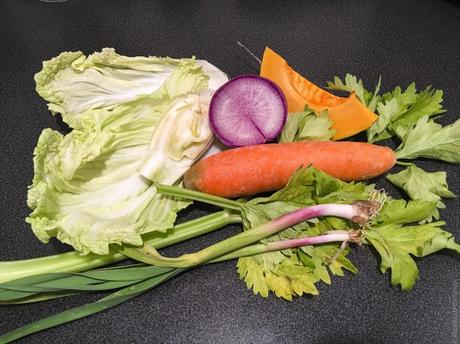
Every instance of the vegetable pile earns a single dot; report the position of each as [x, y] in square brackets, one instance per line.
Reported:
[144, 145]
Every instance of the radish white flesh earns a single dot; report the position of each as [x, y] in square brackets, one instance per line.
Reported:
[247, 110]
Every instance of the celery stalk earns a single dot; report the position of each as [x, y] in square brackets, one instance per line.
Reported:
[73, 262]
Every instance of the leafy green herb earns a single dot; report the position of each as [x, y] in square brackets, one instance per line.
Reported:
[303, 126]
[396, 244]
[307, 186]
[407, 115]
[399, 211]
[428, 139]
[427, 103]
[287, 278]
[319, 259]
[353, 84]
[311, 186]
[398, 110]
[392, 107]
[422, 185]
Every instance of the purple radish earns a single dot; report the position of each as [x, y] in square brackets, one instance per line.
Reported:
[247, 110]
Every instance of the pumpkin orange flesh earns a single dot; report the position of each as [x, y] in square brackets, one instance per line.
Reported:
[348, 114]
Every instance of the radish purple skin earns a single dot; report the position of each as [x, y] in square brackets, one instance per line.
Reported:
[264, 85]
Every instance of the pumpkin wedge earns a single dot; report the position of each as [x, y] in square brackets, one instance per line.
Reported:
[348, 114]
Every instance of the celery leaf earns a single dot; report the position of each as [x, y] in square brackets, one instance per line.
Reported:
[396, 246]
[393, 105]
[352, 84]
[428, 139]
[287, 278]
[399, 212]
[304, 126]
[427, 103]
[422, 185]
[318, 258]
[293, 272]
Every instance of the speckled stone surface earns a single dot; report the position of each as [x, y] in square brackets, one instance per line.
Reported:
[403, 41]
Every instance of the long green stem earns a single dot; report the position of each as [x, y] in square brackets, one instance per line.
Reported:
[34, 288]
[157, 278]
[358, 212]
[193, 229]
[73, 262]
[45, 286]
[251, 250]
[198, 196]
[109, 301]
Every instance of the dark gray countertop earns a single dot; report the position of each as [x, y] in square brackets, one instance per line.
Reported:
[403, 41]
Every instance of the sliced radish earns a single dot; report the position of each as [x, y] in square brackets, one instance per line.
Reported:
[247, 110]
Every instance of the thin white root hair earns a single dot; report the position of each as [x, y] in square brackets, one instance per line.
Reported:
[249, 51]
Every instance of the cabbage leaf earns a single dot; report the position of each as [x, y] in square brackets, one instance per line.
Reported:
[74, 84]
[88, 190]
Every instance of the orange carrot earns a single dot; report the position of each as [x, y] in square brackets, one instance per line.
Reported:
[253, 169]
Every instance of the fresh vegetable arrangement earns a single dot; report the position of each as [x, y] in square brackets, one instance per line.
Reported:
[144, 145]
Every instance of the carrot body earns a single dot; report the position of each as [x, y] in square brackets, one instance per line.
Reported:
[349, 116]
[253, 169]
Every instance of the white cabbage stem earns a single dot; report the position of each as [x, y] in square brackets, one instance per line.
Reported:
[180, 138]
